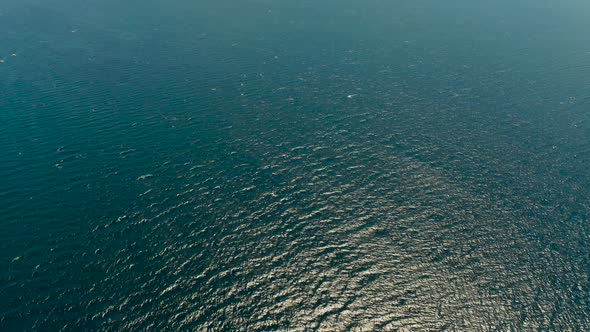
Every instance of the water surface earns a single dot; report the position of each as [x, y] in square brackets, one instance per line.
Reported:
[294, 165]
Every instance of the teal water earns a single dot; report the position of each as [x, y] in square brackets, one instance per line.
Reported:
[288, 165]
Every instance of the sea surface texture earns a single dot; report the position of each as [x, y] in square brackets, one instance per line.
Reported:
[294, 165]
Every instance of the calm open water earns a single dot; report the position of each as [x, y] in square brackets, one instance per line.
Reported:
[258, 165]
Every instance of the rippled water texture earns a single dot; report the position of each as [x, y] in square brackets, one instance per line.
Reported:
[294, 165]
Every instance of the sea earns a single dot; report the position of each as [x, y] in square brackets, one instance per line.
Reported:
[294, 165]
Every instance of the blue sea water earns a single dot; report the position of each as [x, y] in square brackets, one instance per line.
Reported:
[257, 165]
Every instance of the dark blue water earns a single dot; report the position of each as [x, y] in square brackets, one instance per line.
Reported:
[288, 165]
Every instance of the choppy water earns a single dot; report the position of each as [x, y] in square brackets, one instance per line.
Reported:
[294, 165]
